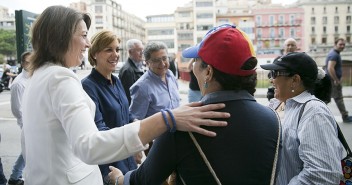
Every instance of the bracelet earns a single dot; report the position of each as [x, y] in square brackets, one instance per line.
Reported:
[165, 120]
[173, 129]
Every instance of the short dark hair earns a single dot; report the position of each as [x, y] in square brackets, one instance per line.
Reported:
[234, 82]
[153, 47]
[339, 39]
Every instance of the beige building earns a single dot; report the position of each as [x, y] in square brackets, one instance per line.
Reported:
[324, 22]
[7, 21]
[162, 28]
[109, 15]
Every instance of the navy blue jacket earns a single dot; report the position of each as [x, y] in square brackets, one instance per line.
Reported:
[241, 153]
[112, 110]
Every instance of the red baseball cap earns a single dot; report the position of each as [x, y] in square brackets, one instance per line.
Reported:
[226, 48]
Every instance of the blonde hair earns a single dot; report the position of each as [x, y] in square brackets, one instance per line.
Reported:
[99, 41]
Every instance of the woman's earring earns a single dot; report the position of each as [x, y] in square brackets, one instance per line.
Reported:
[292, 90]
[205, 85]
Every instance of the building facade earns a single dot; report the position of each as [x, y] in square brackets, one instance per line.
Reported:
[325, 21]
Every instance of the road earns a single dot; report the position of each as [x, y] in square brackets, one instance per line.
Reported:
[10, 131]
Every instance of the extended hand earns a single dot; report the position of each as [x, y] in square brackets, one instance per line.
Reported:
[191, 116]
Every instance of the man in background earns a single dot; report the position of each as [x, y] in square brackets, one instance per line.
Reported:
[17, 89]
[134, 67]
[290, 45]
[333, 64]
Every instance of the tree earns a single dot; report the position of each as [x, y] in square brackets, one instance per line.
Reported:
[8, 42]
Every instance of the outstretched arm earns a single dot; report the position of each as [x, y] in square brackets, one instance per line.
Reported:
[188, 118]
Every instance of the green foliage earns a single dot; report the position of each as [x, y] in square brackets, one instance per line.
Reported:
[7, 42]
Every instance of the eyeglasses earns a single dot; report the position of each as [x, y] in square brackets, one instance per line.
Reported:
[273, 74]
[159, 60]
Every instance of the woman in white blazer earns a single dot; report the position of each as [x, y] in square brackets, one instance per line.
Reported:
[62, 142]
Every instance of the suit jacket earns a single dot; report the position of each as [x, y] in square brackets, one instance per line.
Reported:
[62, 142]
[129, 74]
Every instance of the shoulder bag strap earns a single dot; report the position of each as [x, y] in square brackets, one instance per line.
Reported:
[273, 172]
[339, 132]
[205, 158]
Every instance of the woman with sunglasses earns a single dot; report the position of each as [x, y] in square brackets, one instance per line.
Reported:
[311, 152]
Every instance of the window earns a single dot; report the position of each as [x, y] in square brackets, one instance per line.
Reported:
[272, 33]
[259, 20]
[336, 20]
[336, 29]
[292, 32]
[281, 19]
[312, 10]
[348, 19]
[271, 20]
[99, 9]
[313, 29]
[323, 40]
[325, 20]
[99, 19]
[272, 43]
[324, 29]
[204, 4]
[185, 36]
[348, 9]
[312, 20]
[260, 44]
[281, 33]
[324, 10]
[292, 19]
[161, 32]
[184, 14]
[348, 39]
[259, 33]
[204, 15]
[313, 40]
[204, 27]
[336, 10]
[348, 29]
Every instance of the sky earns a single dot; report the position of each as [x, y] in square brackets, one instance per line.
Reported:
[140, 8]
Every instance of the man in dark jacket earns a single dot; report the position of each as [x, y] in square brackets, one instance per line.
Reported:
[134, 66]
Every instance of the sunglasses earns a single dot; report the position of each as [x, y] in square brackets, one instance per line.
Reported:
[273, 74]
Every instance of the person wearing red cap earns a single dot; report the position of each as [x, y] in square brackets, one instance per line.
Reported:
[246, 151]
[311, 150]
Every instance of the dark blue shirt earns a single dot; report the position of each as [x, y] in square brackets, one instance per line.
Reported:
[241, 153]
[111, 110]
[334, 55]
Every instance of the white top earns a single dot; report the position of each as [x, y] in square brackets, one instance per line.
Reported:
[17, 90]
[60, 135]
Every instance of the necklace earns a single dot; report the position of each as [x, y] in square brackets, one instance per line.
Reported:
[281, 107]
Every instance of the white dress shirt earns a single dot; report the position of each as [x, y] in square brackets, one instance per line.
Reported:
[17, 90]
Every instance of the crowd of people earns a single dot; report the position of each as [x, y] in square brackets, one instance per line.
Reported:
[96, 130]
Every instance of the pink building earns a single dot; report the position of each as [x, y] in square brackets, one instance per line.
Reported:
[273, 25]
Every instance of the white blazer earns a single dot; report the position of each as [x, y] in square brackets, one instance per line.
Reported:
[62, 142]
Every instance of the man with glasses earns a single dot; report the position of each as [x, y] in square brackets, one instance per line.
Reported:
[157, 89]
[134, 67]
